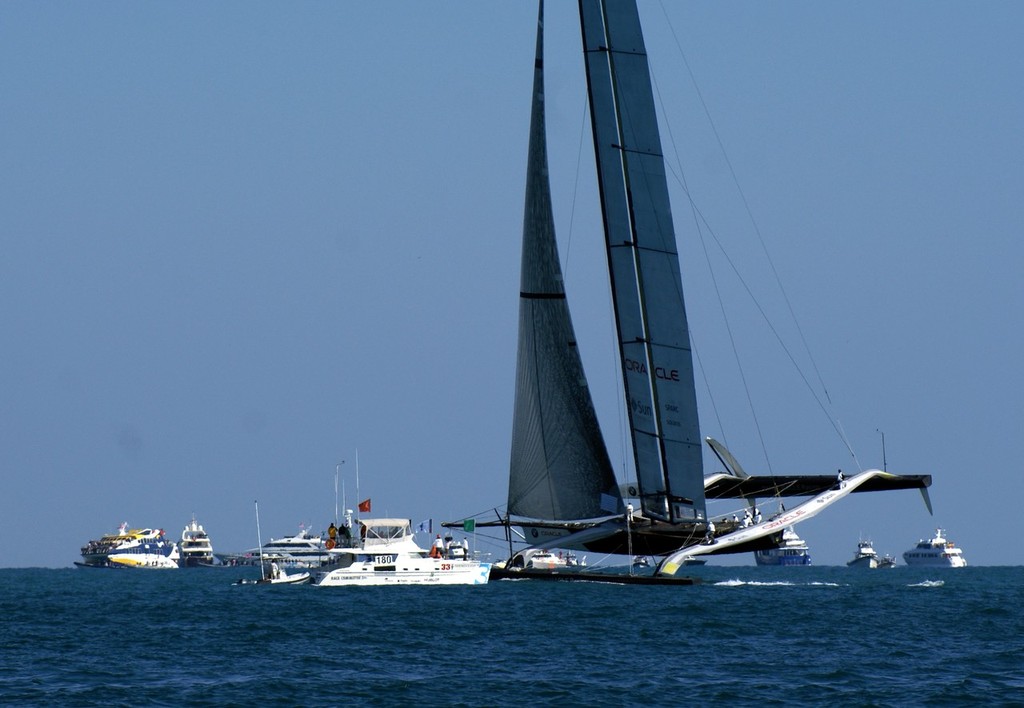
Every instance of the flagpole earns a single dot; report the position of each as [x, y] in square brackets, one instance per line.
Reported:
[337, 472]
[357, 476]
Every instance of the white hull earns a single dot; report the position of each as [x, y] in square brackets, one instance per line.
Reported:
[293, 579]
[283, 579]
[421, 571]
[864, 562]
[143, 560]
[952, 562]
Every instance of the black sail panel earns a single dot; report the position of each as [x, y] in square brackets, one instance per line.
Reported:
[650, 314]
[559, 463]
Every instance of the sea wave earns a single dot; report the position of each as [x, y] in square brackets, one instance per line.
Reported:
[928, 584]
[736, 582]
[94, 638]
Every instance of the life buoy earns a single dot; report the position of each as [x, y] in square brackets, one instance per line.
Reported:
[330, 543]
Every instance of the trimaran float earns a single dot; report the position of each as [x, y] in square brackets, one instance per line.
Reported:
[562, 488]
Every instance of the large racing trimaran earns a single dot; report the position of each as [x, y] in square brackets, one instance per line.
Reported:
[562, 488]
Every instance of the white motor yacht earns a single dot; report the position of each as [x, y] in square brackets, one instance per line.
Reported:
[792, 551]
[937, 552]
[303, 550]
[196, 547]
[867, 557]
[543, 559]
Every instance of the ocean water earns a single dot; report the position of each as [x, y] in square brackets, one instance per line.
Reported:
[770, 636]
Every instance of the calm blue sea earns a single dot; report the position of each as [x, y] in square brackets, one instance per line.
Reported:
[782, 636]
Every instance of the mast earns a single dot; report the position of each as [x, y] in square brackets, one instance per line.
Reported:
[643, 263]
[259, 540]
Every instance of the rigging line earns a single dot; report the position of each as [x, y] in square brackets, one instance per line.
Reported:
[848, 446]
[707, 386]
[764, 315]
[576, 185]
[746, 205]
[616, 375]
[697, 219]
[680, 177]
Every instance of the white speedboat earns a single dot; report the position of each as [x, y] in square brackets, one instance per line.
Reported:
[866, 556]
[388, 555]
[937, 552]
[286, 579]
[791, 551]
[131, 548]
[272, 568]
[196, 549]
[272, 574]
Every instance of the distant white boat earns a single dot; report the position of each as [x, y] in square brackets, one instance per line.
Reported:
[867, 557]
[543, 559]
[388, 555]
[271, 570]
[273, 574]
[792, 551]
[937, 552]
[196, 549]
[303, 550]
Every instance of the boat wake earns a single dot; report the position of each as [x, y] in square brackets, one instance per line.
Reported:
[928, 584]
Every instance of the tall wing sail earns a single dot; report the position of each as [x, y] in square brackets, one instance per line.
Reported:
[654, 339]
[559, 468]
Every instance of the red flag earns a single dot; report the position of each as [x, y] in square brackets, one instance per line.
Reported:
[365, 506]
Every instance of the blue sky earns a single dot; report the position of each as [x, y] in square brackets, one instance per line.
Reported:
[242, 241]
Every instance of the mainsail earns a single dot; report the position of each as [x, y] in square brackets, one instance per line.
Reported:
[647, 289]
[559, 466]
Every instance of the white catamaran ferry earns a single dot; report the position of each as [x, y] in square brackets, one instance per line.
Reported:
[131, 548]
[388, 555]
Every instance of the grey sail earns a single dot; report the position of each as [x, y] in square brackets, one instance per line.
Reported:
[559, 463]
[643, 262]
